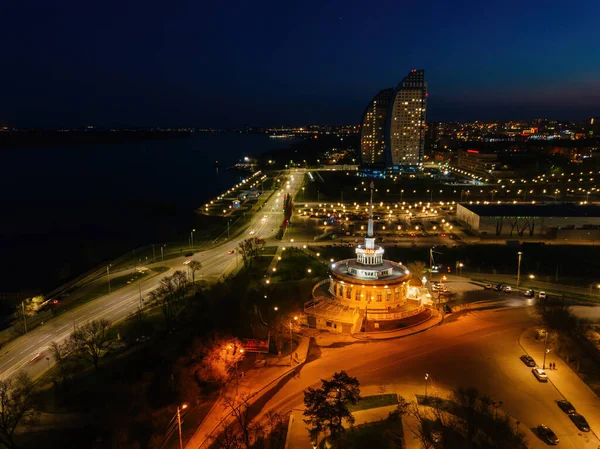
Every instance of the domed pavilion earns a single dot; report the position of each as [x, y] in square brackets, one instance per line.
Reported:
[366, 288]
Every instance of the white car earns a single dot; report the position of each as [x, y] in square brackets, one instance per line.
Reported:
[507, 289]
[542, 295]
[540, 374]
[252, 232]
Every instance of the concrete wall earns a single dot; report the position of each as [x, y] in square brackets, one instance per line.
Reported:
[467, 217]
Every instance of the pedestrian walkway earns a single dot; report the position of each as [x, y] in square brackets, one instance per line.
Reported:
[254, 383]
[274, 262]
[435, 320]
[567, 382]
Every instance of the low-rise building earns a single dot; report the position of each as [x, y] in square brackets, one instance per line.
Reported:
[555, 221]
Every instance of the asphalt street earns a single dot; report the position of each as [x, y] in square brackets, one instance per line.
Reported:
[18, 354]
[479, 349]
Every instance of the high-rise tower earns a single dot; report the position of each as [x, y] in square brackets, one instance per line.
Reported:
[373, 129]
[406, 122]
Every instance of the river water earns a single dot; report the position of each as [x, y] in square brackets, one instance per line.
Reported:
[67, 209]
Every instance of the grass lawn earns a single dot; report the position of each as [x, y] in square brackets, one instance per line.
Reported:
[374, 401]
[377, 434]
[333, 252]
[295, 266]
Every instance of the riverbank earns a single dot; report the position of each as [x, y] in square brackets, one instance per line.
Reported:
[81, 206]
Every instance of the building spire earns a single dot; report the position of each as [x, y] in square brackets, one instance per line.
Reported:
[370, 226]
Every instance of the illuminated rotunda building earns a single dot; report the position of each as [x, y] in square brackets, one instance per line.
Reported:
[380, 285]
[368, 286]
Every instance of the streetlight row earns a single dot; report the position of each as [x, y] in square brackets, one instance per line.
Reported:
[237, 186]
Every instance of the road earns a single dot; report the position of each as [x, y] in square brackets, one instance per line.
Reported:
[17, 354]
[479, 349]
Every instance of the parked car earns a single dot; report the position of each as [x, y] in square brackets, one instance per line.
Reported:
[447, 309]
[488, 286]
[230, 251]
[566, 407]
[547, 435]
[507, 289]
[542, 295]
[540, 374]
[528, 360]
[580, 422]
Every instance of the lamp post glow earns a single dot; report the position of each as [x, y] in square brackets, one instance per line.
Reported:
[426, 380]
[183, 407]
[546, 350]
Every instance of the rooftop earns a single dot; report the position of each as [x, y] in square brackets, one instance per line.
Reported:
[341, 270]
[534, 210]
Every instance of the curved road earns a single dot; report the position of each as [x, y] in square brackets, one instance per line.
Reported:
[17, 354]
[479, 348]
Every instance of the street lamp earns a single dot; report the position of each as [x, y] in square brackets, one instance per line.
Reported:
[546, 350]
[520, 254]
[183, 407]
[442, 279]
[532, 276]
[291, 358]
[426, 379]
[237, 377]
[461, 265]
[108, 276]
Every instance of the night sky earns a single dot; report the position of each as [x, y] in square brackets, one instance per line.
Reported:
[190, 62]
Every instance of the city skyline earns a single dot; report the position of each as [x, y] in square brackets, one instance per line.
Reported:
[210, 66]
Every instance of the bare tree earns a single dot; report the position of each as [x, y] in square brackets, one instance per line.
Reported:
[194, 266]
[90, 341]
[218, 359]
[180, 284]
[382, 388]
[170, 292]
[421, 429]
[60, 352]
[244, 433]
[16, 406]
[249, 249]
[403, 406]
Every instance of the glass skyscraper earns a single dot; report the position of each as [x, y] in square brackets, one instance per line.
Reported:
[373, 126]
[393, 126]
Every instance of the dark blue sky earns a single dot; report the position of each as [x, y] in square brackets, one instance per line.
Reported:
[275, 62]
